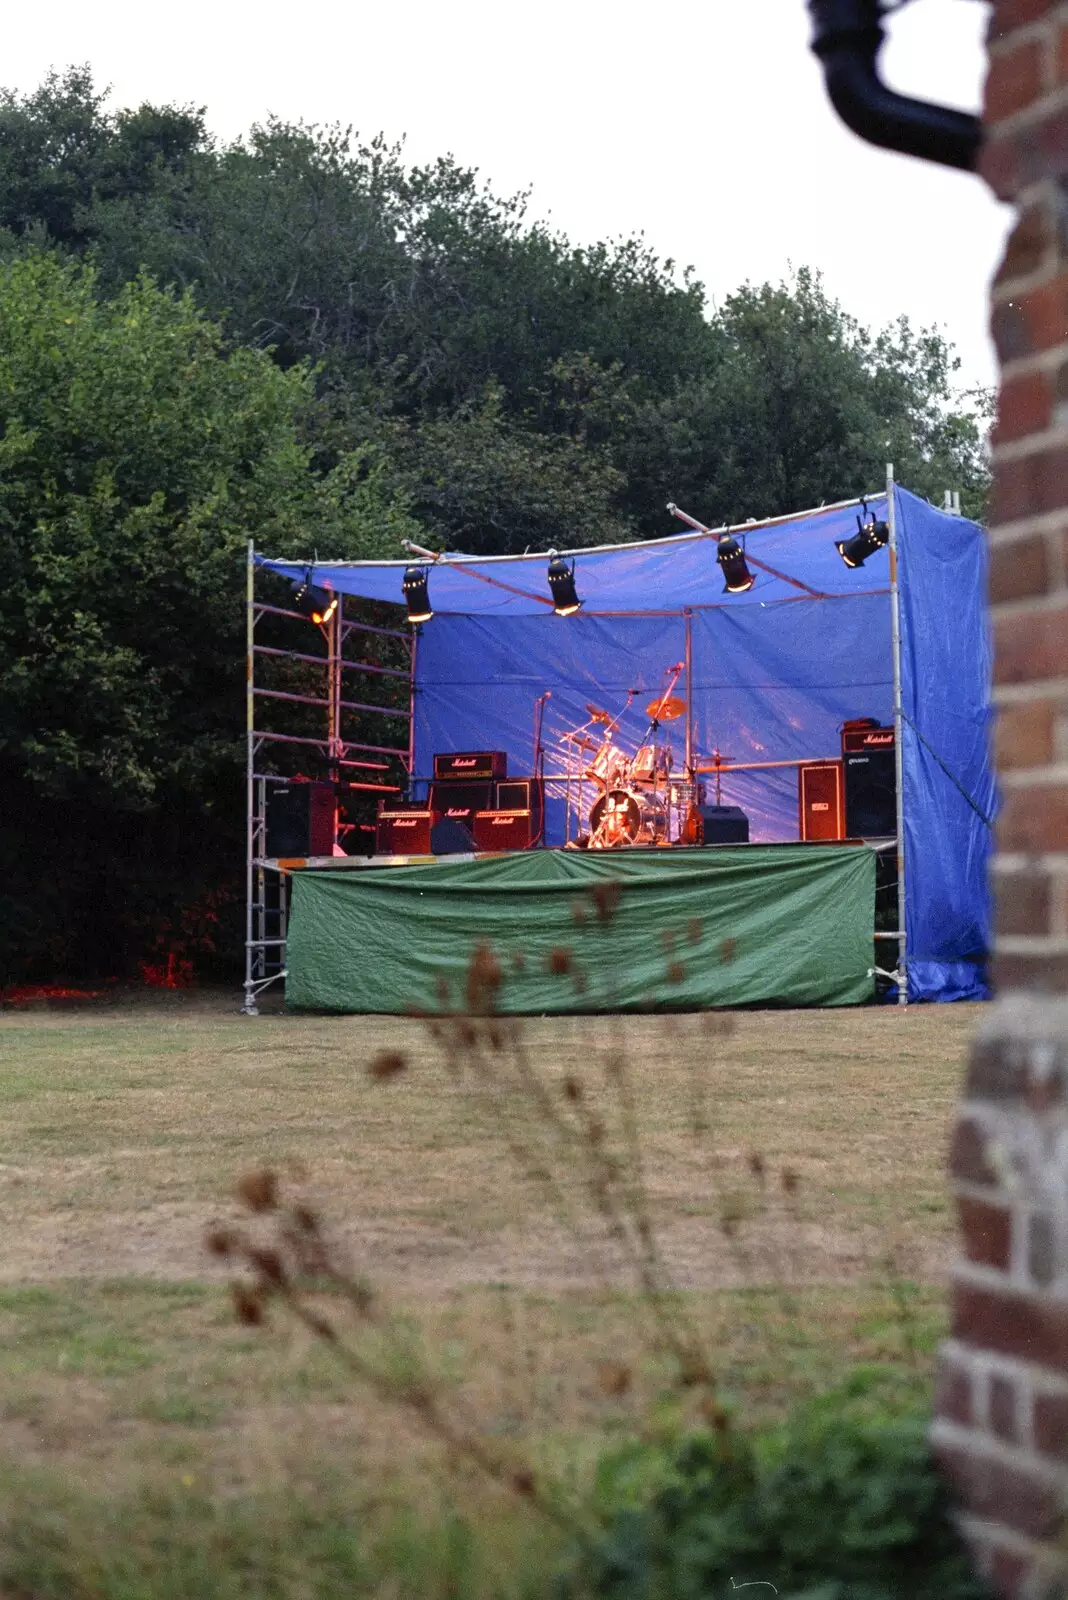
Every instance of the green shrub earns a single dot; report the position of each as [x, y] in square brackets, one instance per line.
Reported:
[841, 1503]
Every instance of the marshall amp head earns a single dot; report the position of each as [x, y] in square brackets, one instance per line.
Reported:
[859, 740]
[471, 764]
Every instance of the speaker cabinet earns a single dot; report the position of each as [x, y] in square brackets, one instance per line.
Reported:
[505, 830]
[870, 795]
[301, 820]
[716, 825]
[458, 799]
[821, 800]
[403, 831]
[451, 838]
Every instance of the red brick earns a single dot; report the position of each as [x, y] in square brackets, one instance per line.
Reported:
[1030, 1328]
[953, 1393]
[1003, 1409]
[1014, 80]
[1008, 1494]
[1050, 1421]
[1023, 901]
[986, 1232]
[1007, 15]
[1035, 818]
[1003, 161]
[969, 1159]
[1031, 647]
[1060, 55]
[1023, 735]
[1020, 568]
[1030, 484]
[1043, 314]
[1008, 1573]
[1040, 973]
[1025, 406]
[1045, 152]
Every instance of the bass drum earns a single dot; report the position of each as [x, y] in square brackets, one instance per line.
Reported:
[623, 817]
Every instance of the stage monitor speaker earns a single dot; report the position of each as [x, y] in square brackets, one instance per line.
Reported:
[459, 799]
[821, 800]
[301, 820]
[870, 795]
[471, 764]
[403, 831]
[450, 838]
[716, 825]
[505, 830]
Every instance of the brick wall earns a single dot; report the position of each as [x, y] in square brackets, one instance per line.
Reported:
[1001, 1428]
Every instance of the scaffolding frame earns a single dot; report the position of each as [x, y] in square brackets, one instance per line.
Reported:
[266, 877]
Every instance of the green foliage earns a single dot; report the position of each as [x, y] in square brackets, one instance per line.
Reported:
[842, 1503]
[137, 455]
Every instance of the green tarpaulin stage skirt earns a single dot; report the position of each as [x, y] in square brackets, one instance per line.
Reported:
[590, 931]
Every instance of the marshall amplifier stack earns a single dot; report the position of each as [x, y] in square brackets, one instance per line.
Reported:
[870, 780]
[473, 805]
[856, 797]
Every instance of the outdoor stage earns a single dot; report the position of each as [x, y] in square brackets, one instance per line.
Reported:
[682, 717]
[589, 931]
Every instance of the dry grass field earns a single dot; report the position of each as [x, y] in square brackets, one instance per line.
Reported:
[136, 1411]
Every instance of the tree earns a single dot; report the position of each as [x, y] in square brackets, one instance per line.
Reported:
[137, 454]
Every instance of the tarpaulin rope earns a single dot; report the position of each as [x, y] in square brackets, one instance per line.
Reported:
[954, 780]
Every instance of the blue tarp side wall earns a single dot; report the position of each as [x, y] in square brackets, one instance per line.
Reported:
[947, 775]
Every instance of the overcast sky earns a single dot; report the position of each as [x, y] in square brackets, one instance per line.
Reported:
[700, 123]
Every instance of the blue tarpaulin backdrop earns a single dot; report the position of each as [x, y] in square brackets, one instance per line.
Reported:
[776, 671]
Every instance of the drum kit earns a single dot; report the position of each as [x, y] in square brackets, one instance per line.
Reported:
[635, 801]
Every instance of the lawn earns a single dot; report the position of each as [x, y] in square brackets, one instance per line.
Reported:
[147, 1433]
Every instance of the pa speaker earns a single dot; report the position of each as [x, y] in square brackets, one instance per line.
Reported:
[450, 838]
[301, 820]
[716, 825]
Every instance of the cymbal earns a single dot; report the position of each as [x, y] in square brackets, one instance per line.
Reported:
[667, 709]
[583, 744]
[597, 714]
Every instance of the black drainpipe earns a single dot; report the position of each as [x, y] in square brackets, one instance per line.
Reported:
[847, 36]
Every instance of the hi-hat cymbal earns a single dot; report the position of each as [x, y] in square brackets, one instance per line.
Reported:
[667, 709]
[596, 714]
[577, 738]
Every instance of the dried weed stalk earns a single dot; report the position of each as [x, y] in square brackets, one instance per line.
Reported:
[577, 1140]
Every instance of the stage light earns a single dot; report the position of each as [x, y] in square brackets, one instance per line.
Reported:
[737, 577]
[318, 605]
[562, 586]
[417, 594]
[869, 537]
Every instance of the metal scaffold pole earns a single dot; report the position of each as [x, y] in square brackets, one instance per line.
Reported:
[895, 633]
[250, 1008]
